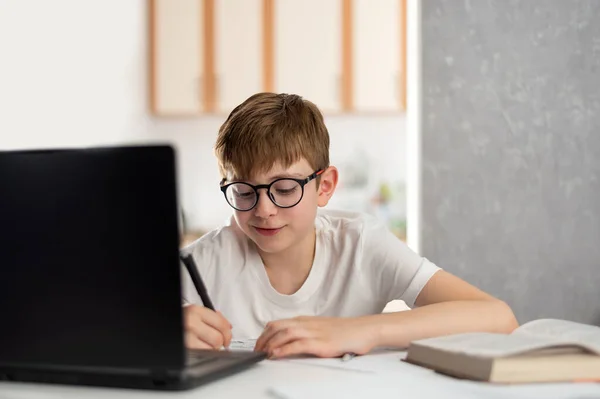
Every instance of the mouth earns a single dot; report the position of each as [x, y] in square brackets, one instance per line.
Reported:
[267, 232]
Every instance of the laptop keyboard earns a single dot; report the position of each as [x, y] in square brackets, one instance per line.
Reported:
[197, 357]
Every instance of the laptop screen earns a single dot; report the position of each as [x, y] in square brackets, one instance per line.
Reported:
[89, 270]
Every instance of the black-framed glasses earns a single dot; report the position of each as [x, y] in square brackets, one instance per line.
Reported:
[285, 192]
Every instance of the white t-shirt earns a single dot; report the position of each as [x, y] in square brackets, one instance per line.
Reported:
[359, 266]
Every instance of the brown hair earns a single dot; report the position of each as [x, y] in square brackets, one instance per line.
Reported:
[268, 128]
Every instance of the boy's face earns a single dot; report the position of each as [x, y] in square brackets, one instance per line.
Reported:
[274, 229]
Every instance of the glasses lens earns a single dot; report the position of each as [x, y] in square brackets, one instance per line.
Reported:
[241, 196]
[286, 192]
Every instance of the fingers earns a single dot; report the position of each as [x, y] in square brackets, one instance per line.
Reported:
[227, 335]
[215, 320]
[272, 328]
[285, 336]
[193, 342]
[301, 347]
[204, 332]
[322, 337]
[207, 326]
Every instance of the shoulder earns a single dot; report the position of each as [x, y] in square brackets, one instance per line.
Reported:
[367, 237]
[347, 233]
[347, 223]
[226, 241]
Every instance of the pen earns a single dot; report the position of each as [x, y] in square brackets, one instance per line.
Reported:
[347, 356]
[190, 265]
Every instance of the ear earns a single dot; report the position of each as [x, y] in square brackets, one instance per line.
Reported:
[329, 180]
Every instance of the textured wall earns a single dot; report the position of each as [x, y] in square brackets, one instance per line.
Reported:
[511, 150]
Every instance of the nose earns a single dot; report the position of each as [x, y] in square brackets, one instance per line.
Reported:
[264, 207]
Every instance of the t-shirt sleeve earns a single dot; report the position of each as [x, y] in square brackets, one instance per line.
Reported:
[393, 270]
[211, 253]
[189, 295]
[203, 253]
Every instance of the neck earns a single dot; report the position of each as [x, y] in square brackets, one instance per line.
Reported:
[289, 269]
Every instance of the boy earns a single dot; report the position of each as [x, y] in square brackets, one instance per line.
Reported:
[308, 282]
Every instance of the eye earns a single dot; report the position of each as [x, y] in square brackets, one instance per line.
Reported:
[242, 191]
[286, 191]
[286, 187]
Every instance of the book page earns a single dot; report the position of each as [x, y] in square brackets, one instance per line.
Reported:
[583, 334]
[493, 345]
[242, 344]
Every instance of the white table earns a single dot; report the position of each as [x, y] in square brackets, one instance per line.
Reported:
[378, 376]
[252, 383]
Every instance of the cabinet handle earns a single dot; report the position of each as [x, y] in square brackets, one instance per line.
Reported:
[338, 89]
[200, 91]
[217, 91]
[396, 86]
[398, 90]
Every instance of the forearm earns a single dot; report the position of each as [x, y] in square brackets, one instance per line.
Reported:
[400, 328]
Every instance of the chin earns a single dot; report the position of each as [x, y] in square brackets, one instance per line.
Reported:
[269, 247]
[269, 244]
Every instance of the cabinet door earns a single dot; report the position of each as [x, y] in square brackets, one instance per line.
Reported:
[377, 55]
[307, 38]
[238, 51]
[177, 57]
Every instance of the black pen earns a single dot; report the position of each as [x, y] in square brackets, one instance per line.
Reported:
[190, 265]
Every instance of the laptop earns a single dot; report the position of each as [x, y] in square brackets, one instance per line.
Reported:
[90, 277]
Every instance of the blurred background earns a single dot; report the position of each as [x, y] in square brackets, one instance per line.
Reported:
[478, 120]
[80, 73]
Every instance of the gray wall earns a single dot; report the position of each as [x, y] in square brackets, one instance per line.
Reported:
[511, 150]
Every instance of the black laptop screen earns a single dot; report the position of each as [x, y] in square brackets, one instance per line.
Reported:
[89, 271]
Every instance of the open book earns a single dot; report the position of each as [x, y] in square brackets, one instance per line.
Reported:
[539, 351]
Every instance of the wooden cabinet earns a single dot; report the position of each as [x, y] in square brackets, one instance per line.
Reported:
[238, 52]
[347, 56]
[177, 57]
[307, 38]
[377, 55]
[205, 55]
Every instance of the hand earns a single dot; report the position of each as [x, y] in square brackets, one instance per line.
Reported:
[319, 336]
[205, 328]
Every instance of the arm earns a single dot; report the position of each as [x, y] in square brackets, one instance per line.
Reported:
[204, 327]
[446, 305]
[390, 270]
